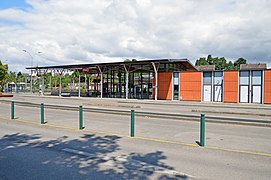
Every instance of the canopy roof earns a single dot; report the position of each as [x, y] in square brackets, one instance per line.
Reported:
[147, 65]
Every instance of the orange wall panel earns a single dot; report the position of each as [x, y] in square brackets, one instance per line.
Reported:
[190, 86]
[165, 85]
[267, 86]
[231, 86]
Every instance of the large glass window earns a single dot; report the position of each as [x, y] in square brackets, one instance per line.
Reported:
[256, 77]
[218, 78]
[176, 86]
[244, 77]
[207, 77]
[176, 78]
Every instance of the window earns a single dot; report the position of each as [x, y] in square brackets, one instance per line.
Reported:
[256, 77]
[218, 78]
[207, 77]
[244, 77]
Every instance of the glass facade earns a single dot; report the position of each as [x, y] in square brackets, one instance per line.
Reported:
[176, 82]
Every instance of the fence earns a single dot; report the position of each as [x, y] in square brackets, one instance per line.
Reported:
[132, 113]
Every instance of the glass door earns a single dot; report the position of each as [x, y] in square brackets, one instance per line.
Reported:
[176, 83]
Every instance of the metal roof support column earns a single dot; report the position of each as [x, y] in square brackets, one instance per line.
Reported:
[101, 72]
[60, 86]
[79, 84]
[51, 88]
[156, 79]
[42, 85]
[85, 81]
[127, 79]
[31, 81]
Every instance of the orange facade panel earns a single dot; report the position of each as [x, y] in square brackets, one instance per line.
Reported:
[231, 86]
[165, 85]
[267, 86]
[190, 86]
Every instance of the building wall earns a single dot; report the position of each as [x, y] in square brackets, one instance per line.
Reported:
[267, 86]
[190, 86]
[164, 85]
[231, 86]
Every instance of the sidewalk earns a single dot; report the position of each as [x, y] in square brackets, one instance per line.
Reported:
[158, 102]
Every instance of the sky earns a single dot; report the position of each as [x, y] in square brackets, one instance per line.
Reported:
[58, 32]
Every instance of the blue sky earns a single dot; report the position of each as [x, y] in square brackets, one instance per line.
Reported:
[21, 4]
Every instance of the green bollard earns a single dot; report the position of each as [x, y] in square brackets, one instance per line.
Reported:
[202, 130]
[12, 110]
[132, 123]
[42, 113]
[81, 117]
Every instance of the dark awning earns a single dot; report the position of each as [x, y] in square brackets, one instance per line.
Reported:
[146, 64]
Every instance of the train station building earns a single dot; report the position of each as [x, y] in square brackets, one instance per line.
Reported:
[174, 79]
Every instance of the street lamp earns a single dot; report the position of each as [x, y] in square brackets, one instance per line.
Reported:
[31, 68]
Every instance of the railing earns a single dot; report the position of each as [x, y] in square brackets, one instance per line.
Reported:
[189, 117]
[132, 115]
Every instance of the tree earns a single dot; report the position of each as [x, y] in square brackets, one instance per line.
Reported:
[3, 75]
[128, 60]
[210, 60]
[230, 66]
[239, 61]
[12, 77]
[220, 62]
[20, 77]
[201, 61]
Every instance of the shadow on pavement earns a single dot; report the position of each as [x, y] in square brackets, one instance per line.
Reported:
[25, 156]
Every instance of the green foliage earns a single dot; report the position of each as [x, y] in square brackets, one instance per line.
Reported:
[3, 75]
[201, 61]
[220, 62]
[128, 60]
[12, 77]
[239, 61]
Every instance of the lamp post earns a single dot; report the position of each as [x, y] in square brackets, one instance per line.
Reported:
[31, 64]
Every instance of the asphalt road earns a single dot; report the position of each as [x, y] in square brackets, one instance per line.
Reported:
[162, 149]
[223, 135]
[30, 151]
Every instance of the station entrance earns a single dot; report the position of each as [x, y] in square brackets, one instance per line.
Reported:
[128, 79]
[139, 86]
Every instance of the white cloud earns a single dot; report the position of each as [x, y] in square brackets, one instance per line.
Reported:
[83, 31]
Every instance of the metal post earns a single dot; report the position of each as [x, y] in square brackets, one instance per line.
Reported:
[60, 86]
[31, 81]
[42, 85]
[101, 85]
[80, 117]
[42, 113]
[132, 123]
[79, 84]
[51, 88]
[101, 72]
[202, 130]
[126, 82]
[12, 110]
[31, 64]
[156, 79]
